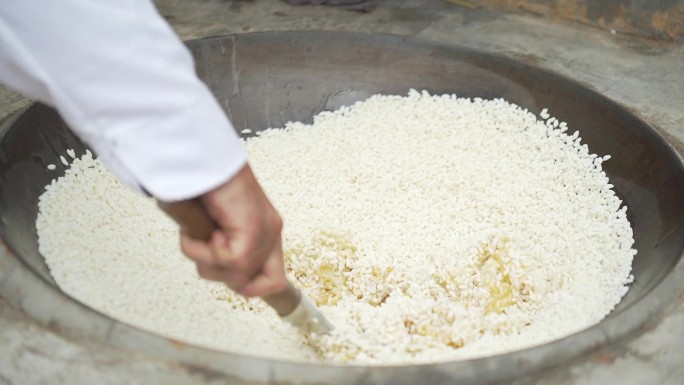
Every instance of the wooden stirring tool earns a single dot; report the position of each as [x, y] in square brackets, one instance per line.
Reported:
[291, 304]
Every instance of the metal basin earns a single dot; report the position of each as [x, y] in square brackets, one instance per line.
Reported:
[266, 79]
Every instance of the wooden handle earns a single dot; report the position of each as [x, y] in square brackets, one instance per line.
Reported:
[194, 221]
[192, 217]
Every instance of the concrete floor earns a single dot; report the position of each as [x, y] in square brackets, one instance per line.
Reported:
[646, 76]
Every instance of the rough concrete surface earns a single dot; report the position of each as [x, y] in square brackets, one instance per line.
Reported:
[644, 74]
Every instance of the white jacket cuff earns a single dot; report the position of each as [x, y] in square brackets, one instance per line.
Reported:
[174, 159]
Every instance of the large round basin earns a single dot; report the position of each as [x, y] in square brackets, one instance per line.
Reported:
[266, 79]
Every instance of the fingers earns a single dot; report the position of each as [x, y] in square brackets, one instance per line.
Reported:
[213, 273]
[271, 278]
[196, 250]
[204, 257]
[239, 252]
[218, 274]
[236, 265]
[246, 253]
[241, 256]
[218, 251]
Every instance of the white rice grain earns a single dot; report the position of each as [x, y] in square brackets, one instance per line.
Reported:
[426, 228]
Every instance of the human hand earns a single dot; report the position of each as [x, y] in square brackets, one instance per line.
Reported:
[246, 253]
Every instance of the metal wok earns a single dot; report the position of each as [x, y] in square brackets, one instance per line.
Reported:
[266, 79]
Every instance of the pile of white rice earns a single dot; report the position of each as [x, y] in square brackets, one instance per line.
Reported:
[426, 228]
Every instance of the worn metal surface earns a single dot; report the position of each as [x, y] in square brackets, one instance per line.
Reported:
[645, 76]
[10, 102]
[265, 80]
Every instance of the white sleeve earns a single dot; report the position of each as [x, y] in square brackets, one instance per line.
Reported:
[126, 84]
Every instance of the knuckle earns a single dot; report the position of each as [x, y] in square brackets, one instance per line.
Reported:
[203, 272]
[238, 286]
[235, 261]
[278, 223]
[186, 247]
[241, 262]
[221, 216]
[233, 286]
[246, 292]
